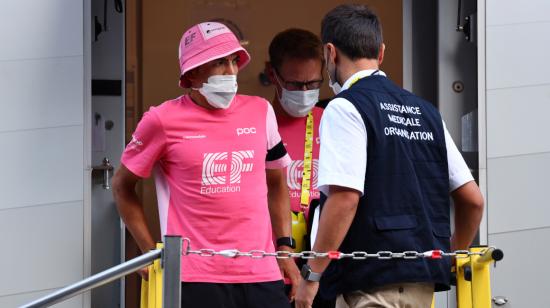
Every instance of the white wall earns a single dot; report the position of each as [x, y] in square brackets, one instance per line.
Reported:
[518, 147]
[43, 94]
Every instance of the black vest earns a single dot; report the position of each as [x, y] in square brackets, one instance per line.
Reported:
[406, 202]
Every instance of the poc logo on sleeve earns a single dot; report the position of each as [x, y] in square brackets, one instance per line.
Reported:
[246, 130]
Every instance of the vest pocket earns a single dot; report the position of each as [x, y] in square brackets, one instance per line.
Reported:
[397, 222]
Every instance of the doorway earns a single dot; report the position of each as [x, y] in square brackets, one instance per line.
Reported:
[107, 120]
[153, 31]
[423, 53]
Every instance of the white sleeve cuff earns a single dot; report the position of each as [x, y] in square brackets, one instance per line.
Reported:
[459, 173]
[458, 179]
[342, 180]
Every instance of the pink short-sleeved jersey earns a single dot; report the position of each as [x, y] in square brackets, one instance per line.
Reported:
[293, 131]
[209, 169]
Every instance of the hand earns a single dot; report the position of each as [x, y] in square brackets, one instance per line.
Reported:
[306, 293]
[289, 270]
[144, 273]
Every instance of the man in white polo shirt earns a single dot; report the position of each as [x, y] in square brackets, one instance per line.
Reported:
[387, 166]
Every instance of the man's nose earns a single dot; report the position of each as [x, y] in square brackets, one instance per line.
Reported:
[231, 68]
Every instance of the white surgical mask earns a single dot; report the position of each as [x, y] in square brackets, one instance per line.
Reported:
[220, 90]
[334, 85]
[332, 80]
[299, 103]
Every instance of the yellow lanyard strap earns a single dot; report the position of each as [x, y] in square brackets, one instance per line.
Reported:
[376, 72]
[308, 157]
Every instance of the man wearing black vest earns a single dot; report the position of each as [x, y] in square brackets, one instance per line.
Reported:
[386, 168]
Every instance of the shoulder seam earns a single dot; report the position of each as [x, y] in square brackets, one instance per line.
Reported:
[157, 118]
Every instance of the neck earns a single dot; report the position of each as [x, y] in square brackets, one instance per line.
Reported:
[349, 67]
[200, 100]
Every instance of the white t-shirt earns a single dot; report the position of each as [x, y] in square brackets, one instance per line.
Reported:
[343, 135]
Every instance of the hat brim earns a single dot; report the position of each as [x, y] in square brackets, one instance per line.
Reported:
[213, 53]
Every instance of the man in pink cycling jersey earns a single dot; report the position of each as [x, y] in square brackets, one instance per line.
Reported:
[295, 68]
[217, 163]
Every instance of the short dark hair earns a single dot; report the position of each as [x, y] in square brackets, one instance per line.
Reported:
[294, 44]
[354, 29]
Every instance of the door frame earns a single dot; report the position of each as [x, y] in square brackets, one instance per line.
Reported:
[87, 111]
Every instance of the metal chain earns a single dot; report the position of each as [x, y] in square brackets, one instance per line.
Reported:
[334, 255]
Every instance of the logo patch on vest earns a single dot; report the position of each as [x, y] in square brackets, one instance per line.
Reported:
[401, 125]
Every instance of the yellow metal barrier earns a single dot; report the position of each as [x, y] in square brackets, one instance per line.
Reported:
[473, 283]
[151, 289]
[299, 230]
[463, 286]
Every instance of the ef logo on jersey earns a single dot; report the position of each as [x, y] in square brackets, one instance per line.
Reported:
[215, 176]
[295, 172]
[294, 175]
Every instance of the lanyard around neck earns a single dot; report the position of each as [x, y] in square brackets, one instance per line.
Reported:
[308, 155]
[358, 78]
[308, 158]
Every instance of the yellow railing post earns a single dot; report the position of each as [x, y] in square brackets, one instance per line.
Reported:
[473, 281]
[481, 280]
[463, 285]
[151, 289]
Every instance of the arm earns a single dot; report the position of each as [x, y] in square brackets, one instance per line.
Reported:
[467, 198]
[468, 212]
[279, 211]
[343, 136]
[130, 208]
[335, 221]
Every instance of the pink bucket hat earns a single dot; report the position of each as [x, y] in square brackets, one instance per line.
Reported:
[205, 42]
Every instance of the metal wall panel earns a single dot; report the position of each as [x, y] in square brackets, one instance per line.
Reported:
[522, 276]
[45, 244]
[517, 121]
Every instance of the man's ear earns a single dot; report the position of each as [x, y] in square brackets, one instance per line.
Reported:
[191, 76]
[270, 72]
[182, 79]
[331, 55]
[381, 54]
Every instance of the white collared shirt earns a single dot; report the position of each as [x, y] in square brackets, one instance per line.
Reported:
[343, 135]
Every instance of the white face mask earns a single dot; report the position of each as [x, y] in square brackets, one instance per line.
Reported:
[334, 85]
[332, 82]
[299, 103]
[220, 90]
